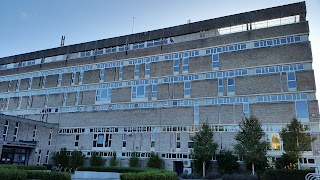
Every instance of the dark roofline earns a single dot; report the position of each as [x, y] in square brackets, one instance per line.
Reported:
[226, 21]
[24, 120]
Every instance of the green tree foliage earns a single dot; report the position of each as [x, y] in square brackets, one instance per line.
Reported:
[154, 161]
[134, 160]
[113, 160]
[251, 146]
[296, 139]
[227, 162]
[60, 158]
[284, 161]
[77, 159]
[96, 160]
[203, 146]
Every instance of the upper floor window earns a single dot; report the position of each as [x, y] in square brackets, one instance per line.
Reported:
[302, 112]
[140, 92]
[292, 84]
[104, 96]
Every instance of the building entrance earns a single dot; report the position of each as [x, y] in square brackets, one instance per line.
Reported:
[15, 155]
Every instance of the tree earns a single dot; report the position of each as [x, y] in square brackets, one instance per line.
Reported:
[134, 160]
[113, 160]
[203, 146]
[96, 160]
[154, 161]
[295, 139]
[227, 162]
[77, 159]
[61, 158]
[251, 146]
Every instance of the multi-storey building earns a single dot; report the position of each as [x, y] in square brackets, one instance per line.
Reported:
[150, 91]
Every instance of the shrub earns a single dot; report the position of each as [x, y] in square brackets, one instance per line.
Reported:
[77, 159]
[29, 167]
[212, 175]
[284, 161]
[134, 160]
[113, 161]
[151, 175]
[227, 162]
[60, 158]
[12, 174]
[96, 160]
[48, 175]
[154, 161]
[279, 174]
[227, 177]
[110, 169]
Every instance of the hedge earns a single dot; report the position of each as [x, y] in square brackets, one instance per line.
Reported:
[29, 167]
[12, 174]
[280, 174]
[152, 175]
[111, 169]
[48, 175]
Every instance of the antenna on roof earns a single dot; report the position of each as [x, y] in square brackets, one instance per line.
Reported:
[132, 25]
[62, 41]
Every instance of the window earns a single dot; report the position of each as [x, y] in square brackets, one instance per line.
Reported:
[190, 142]
[81, 77]
[30, 84]
[153, 139]
[291, 78]
[302, 111]
[43, 81]
[215, 61]
[15, 134]
[185, 66]
[76, 140]
[230, 86]
[102, 140]
[47, 157]
[140, 92]
[220, 87]
[178, 141]
[102, 71]
[154, 91]
[275, 142]
[246, 109]
[136, 71]
[196, 114]
[104, 96]
[187, 87]
[124, 141]
[59, 80]
[50, 136]
[176, 63]
[34, 133]
[120, 72]
[147, 66]
[73, 78]
[5, 130]
[18, 85]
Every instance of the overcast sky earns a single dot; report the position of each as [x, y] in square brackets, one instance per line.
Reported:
[32, 25]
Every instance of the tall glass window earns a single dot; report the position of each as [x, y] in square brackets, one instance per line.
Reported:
[136, 71]
[147, 66]
[185, 65]
[104, 96]
[291, 78]
[215, 61]
[220, 87]
[176, 63]
[102, 71]
[246, 109]
[231, 86]
[140, 92]
[81, 77]
[120, 72]
[154, 91]
[302, 111]
[187, 87]
[59, 80]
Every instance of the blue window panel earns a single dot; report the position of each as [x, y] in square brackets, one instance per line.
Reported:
[258, 70]
[256, 44]
[285, 68]
[215, 64]
[283, 40]
[219, 50]
[274, 97]
[243, 46]
[231, 48]
[215, 57]
[292, 84]
[288, 40]
[297, 38]
[208, 51]
[304, 96]
[261, 44]
[302, 109]
[300, 66]
[196, 53]
[187, 85]
[231, 89]
[157, 43]
[141, 45]
[230, 81]
[269, 42]
[196, 77]
[272, 69]
[244, 72]
[291, 76]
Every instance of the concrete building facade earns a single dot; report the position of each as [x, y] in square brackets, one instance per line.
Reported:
[150, 91]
